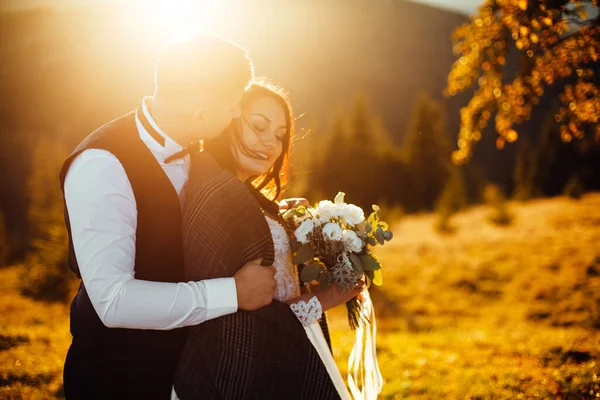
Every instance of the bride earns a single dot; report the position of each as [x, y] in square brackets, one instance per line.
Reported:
[230, 216]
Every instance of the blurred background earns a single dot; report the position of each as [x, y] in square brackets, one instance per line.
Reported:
[473, 124]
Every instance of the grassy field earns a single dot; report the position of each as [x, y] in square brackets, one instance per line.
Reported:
[485, 313]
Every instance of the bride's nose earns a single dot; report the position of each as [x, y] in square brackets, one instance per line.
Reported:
[269, 140]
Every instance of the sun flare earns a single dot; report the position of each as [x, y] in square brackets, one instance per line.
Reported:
[184, 15]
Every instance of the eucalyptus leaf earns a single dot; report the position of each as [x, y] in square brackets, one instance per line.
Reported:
[356, 264]
[369, 263]
[295, 244]
[301, 210]
[379, 235]
[305, 253]
[324, 281]
[311, 271]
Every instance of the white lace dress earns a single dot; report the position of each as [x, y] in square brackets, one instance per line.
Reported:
[308, 312]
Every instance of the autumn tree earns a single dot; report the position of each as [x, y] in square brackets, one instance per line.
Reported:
[561, 41]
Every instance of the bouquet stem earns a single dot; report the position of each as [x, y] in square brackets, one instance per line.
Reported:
[354, 315]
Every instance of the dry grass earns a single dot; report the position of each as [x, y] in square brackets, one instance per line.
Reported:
[485, 313]
[34, 338]
[491, 312]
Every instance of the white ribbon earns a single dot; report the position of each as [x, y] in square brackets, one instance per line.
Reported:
[364, 378]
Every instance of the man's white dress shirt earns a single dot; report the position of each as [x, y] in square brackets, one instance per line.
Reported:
[103, 215]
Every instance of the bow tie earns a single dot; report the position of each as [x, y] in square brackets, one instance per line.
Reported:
[197, 145]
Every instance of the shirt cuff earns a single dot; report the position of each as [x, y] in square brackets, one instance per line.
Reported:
[221, 297]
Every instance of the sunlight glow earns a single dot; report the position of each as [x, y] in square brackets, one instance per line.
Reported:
[185, 15]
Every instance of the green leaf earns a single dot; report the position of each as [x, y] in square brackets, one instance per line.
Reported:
[356, 264]
[305, 253]
[289, 213]
[311, 271]
[388, 235]
[369, 263]
[377, 278]
[379, 235]
[324, 281]
[294, 244]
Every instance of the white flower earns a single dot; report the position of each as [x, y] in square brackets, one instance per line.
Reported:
[352, 241]
[332, 231]
[303, 230]
[326, 210]
[353, 215]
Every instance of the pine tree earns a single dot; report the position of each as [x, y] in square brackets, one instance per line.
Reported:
[426, 152]
[562, 39]
[535, 160]
[356, 158]
[497, 201]
[45, 273]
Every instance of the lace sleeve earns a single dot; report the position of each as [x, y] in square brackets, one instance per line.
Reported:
[309, 311]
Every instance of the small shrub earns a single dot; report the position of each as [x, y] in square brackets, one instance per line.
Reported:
[452, 199]
[573, 188]
[495, 199]
[45, 275]
[444, 223]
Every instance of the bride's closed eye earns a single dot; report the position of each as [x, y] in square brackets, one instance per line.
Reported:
[258, 123]
[280, 133]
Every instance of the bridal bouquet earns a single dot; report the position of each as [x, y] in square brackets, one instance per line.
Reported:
[333, 240]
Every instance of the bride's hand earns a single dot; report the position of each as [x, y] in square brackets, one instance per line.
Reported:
[334, 296]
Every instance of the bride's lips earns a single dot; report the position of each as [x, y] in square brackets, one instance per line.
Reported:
[260, 155]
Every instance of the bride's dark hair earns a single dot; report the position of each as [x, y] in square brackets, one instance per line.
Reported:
[273, 182]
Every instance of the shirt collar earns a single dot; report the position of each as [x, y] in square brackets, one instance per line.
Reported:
[171, 147]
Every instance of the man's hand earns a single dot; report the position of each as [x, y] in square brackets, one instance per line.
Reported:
[255, 285]
[293, 202]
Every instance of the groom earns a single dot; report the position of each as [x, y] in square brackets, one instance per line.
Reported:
[122, 188]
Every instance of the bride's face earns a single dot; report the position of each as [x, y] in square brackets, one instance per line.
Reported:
[263, 130]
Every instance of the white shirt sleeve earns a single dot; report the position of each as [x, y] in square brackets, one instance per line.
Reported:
[103, 217]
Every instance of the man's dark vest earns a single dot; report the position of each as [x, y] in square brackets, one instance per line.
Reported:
[158, 255]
